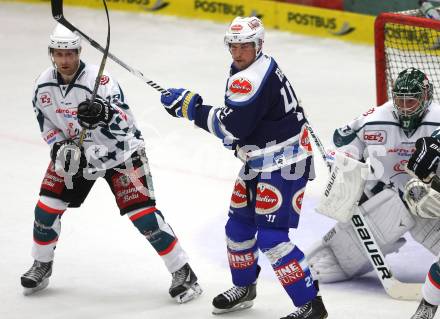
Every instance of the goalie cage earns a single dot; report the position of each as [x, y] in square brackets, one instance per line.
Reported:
[402, 40]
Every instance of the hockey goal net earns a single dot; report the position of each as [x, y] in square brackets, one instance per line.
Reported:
[402, 40]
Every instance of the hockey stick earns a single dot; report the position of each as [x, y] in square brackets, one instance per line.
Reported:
[100, 71]
[57, 13]
[393, 287]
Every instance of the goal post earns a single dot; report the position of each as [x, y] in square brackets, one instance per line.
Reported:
[402, 40]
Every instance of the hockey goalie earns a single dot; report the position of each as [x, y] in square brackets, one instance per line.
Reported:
[381, 141]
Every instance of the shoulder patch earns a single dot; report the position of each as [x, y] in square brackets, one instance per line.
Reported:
[45, 99]
[241, 86]
[104, 80]
[370, 111]
[343, 136]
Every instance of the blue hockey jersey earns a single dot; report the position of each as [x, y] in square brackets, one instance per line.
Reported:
[261, 118]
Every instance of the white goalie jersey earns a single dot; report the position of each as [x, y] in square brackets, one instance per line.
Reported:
[377, 136]
[55, 105]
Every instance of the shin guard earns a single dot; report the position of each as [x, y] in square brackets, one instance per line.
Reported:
[47, 227]
[289, 264]
[150, 223]
[242, 252]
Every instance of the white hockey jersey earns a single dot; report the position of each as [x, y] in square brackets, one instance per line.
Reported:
[377, 136]
[55, 105]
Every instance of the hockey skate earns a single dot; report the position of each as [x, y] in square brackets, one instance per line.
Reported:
[314, 309]
[236, 298]
[425, 311]
[184, 286]
[37, 277]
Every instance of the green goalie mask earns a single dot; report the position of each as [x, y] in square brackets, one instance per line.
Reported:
[412, 94]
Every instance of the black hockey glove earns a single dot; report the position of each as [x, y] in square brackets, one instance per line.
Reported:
[424, 160]
[90, 115]
[68, 157]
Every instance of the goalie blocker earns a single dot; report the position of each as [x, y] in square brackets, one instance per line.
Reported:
[344, 188]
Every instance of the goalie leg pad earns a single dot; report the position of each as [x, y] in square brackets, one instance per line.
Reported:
[387, 216]
[323, 264]
[47, 227]
[340, 256]
[242, 251]
[427, 233]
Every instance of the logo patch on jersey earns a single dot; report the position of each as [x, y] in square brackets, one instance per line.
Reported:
[405, 152]
[239, 197]
[297, 200]
[104, 80]
[241, 260]
[269, 199]
[68, 113]
[241, 86]
[400, 167]
[290, 273]
[51, 136]
[45, 99]
[370, 111]
[126, 193]
[377, 137]
[52, 181]
[305, 140]
[124, 181]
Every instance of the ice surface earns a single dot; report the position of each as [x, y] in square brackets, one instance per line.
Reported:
[103, 267]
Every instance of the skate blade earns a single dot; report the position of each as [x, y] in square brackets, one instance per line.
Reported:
[240, 306]
[30, 291]
[193, 292]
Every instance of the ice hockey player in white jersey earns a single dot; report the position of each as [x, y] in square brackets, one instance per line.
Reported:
[385, 136]
[112, 148]
[425, 197]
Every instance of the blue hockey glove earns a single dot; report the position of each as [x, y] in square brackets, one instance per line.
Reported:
[181, 103]
[90, 115]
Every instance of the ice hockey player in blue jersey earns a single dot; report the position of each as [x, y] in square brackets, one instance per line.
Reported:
[266, 127]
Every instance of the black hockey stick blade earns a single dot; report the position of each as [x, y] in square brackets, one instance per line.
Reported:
[57, 9]
[58, 15]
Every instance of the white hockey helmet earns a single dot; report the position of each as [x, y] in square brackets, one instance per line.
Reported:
[244, 30]
[63, 38]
